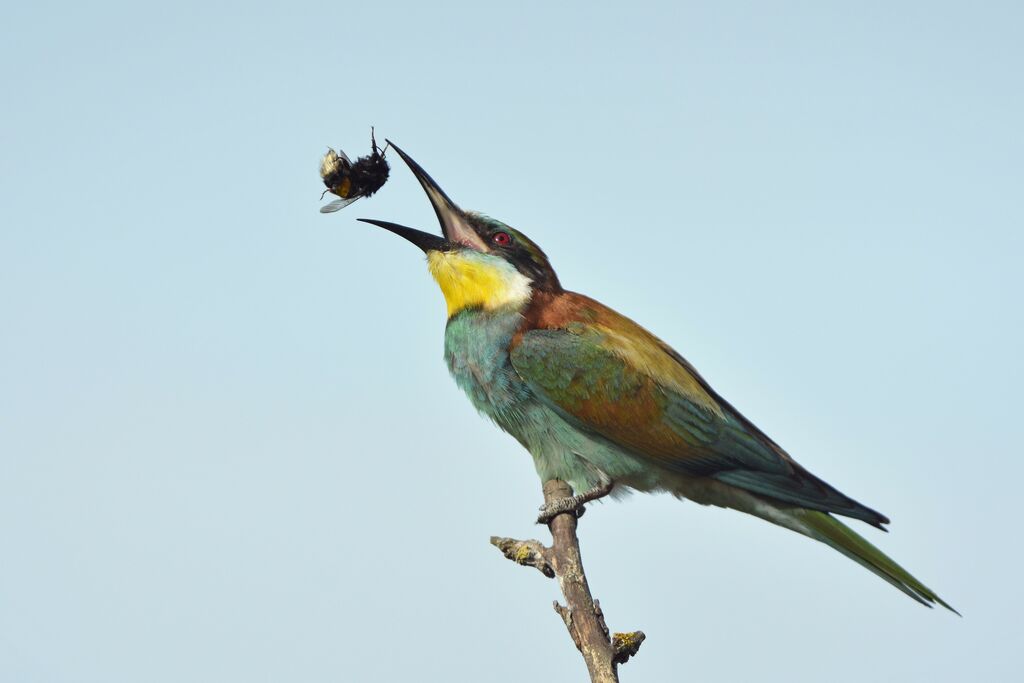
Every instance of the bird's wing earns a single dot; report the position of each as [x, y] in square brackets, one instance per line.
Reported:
[608, 375]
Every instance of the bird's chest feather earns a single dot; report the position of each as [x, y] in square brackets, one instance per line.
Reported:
[476, 345]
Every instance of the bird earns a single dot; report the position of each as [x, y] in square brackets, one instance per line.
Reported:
[604, 405]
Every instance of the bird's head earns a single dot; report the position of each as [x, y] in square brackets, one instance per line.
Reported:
[478, 262]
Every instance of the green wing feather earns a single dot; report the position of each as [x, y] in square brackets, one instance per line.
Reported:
[606, 374]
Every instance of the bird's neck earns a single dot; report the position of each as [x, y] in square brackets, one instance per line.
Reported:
[471, 279]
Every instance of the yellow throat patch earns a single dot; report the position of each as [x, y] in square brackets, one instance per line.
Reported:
[471, 279]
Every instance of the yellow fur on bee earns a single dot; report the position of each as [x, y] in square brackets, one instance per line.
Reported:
[330, 163]
[342, 189]
[472, 279]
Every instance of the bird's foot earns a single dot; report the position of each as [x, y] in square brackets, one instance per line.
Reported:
[573, 504]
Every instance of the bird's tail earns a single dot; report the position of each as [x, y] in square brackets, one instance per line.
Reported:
[825, 528]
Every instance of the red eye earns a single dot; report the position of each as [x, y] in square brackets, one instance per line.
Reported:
[502, 239]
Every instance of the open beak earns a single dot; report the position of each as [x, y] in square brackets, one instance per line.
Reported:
[456, 229]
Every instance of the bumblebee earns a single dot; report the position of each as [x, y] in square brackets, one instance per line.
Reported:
[352, 180]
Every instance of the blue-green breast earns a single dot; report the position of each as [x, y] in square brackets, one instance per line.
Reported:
[476, 347]
[477, 353]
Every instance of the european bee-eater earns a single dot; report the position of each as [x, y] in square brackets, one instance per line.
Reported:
[603, 404]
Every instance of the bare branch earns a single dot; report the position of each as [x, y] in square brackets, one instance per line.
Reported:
[581, 614]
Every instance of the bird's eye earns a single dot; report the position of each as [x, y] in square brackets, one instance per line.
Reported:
[502, 239]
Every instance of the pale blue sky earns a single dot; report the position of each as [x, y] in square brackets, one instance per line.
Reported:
[229, 449]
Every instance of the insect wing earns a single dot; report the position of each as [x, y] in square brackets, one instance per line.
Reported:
[337, 205]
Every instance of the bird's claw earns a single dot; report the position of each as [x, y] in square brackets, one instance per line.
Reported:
[548, 511]
[573, 504]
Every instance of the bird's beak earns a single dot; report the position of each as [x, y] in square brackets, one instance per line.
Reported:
[456, 229]
[424, 240]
